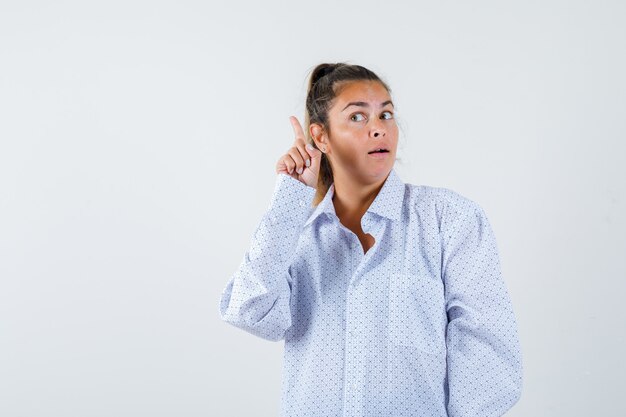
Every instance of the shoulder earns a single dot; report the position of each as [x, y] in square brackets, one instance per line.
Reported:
[449, 211]
[444, 202]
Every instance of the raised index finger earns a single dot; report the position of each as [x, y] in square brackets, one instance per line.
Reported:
[297, 129]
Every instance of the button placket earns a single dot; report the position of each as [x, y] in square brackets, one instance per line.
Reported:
[349, 346]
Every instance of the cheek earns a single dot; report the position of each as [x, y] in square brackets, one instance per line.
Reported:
[393, 130]
[346, 136]
[344, 128]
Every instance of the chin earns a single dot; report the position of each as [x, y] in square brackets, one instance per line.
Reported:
[379, 171]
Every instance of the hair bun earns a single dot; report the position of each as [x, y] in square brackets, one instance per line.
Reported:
[322, 72]
[327, 70]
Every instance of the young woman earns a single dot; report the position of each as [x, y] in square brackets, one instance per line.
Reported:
[388, 295]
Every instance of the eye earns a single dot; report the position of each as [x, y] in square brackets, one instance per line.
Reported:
[354, 115]
[389, 113]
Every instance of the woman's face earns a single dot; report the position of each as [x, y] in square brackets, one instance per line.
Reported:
[361, 120]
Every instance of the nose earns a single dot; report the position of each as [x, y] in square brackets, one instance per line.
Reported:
[378, 129]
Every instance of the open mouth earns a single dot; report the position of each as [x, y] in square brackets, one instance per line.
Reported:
[381, 150]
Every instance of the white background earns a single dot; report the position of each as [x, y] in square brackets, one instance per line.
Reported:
[138, 151]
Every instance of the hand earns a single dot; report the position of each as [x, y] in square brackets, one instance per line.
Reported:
[295, 158]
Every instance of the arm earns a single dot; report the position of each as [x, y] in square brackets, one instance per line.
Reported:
[483, 349]
[257, 297]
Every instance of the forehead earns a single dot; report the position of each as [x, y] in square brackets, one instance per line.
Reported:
[362, 90]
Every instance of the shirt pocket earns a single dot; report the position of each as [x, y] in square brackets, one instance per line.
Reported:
[416, 304]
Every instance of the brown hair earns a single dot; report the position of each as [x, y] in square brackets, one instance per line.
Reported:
[325, 83]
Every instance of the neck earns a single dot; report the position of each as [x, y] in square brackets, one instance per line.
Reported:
[352, 197]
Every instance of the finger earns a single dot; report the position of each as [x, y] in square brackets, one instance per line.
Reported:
[315, 155]
[297, 129]
[281, 165]
[290, 164]
[294, 152]
[303, 153]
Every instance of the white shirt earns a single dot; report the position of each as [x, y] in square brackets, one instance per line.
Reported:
[420, 325]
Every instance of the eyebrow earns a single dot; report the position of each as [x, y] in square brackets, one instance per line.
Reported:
[364, 104]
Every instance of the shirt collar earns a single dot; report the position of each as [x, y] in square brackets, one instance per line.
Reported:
[388, 202]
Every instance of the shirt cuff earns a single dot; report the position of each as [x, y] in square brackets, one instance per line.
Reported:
[291, 199]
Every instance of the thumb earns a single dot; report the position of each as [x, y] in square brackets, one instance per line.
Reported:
[315, 154]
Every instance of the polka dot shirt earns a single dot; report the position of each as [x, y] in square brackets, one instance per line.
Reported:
[421, 324]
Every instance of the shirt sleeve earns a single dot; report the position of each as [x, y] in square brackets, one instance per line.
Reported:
[484, 362]
[257, 297]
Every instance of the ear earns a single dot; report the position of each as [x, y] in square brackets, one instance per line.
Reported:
[317, 133]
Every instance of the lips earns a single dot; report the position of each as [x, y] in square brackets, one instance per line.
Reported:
[379, 150]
